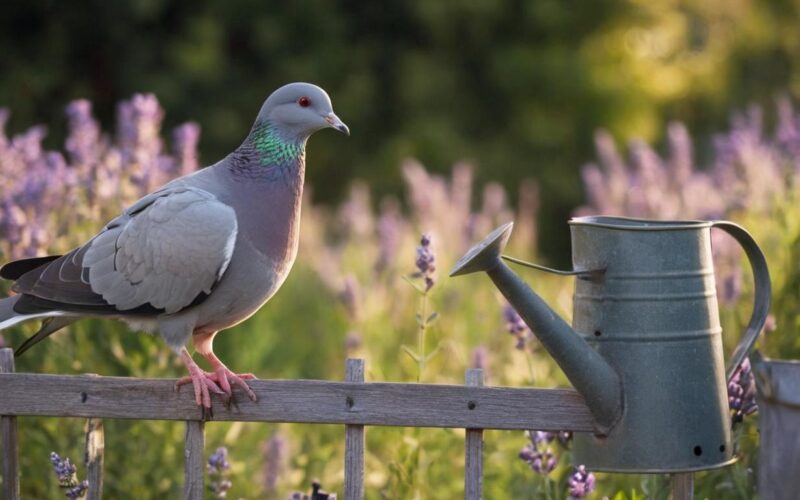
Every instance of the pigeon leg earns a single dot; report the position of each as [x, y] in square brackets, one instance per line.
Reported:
[202, 382]
[222, 375]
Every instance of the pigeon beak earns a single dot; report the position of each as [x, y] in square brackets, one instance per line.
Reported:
[336, 123]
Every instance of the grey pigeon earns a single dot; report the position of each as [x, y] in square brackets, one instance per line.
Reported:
[199, 255]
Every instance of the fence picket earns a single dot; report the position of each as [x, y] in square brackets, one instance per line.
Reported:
[8, 437]
[353, 438]
[93, 458]
[193, 461]
[473, 454]
[683, 486]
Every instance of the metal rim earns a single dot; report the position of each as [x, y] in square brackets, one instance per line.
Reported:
[634, 224]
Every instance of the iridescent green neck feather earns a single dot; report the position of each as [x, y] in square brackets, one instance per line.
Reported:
[273, 148]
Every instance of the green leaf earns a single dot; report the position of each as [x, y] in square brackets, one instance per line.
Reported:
[411, 353]
[433, 353]
[416, 286]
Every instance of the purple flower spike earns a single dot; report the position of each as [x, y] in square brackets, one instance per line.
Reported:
[742, 393]
[580, 483]
[541, 462]
[218, 461]
[64, 469]
[426, 261]
[516, 327]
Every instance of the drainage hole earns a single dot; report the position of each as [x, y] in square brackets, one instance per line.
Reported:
[722, 448]
[597, 333]
[471, 405]
[349, 402]
[698, 451]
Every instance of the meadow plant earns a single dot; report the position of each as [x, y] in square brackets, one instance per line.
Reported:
[751, 171]
[217, 469]
[742, 393]
[67, 475]
[346, 295]
[580, 483]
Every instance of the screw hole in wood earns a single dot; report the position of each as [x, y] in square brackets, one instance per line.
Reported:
[84, 397]
[698, 450]
[349, 402]
[471, 405]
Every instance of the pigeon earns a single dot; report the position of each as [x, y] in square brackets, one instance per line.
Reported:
[201, 254]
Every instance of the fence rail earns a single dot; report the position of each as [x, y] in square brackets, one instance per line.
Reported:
[353, 403]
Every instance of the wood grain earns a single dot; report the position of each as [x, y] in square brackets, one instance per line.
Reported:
[193, 466]
[309, 401]
[683, 486]
[354, 440]
[8, 437]
[473, 453]
[93, 458]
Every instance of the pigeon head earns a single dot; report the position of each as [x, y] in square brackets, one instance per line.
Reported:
[300, 109]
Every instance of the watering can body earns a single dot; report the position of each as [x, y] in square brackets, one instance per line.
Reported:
[645, 347]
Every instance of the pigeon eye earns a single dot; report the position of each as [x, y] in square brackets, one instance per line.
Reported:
[304, 102]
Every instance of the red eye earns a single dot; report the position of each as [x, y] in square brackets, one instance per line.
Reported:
[304, 102]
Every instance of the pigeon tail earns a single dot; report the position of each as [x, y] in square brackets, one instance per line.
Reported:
[49, 326]
[53, 321]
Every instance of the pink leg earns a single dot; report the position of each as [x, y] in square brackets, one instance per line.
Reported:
[201, 381]
[222, 375]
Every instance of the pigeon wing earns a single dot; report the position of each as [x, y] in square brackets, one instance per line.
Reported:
[163, 252]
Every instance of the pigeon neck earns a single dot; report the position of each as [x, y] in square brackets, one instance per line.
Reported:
[268, 152]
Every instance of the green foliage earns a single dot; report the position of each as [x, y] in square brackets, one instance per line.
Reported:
[518, 86]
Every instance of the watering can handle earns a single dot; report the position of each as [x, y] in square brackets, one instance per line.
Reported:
[763, 291]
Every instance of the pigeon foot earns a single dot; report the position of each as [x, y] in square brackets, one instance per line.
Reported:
[203, 382]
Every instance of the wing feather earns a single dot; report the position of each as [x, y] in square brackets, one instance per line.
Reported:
[163, 254]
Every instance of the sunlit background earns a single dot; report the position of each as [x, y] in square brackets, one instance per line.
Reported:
[463, 115]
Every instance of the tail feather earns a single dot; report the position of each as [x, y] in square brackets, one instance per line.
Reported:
[49, 326]
[53, 321]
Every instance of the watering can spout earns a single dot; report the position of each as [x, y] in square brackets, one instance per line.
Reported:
[592, 376]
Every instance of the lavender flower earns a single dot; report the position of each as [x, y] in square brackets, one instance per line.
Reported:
[68, 477]
[580, 483]
[536, 453]
[426, 261]
[389, 229]
[274, 457]
[742, 392]
[64, 469]
[516, 326]
[564, 438]
[217, 469]
[77, 491]
[541, 462]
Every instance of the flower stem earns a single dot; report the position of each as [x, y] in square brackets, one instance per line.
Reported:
[423, 324]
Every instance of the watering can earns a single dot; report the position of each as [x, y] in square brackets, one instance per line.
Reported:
[645, 347]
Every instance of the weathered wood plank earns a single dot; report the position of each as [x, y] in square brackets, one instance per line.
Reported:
[193, 466]
[473, 453]
[8, 437]
[93, 458]
[683, 486]
[354, 440]
[778, 383]
[308, 401]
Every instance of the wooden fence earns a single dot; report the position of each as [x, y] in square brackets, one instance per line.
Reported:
[353, 403]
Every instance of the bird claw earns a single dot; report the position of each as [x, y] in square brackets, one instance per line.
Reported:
[218, 382]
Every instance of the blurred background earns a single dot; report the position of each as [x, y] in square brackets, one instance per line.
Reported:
[464, 115]
[518, 87]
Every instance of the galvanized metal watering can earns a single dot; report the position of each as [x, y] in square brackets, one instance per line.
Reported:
[645, 348]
